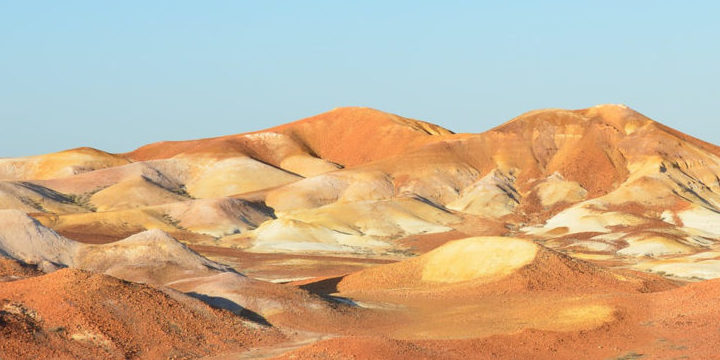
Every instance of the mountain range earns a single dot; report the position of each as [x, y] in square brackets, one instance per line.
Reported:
[362, 234]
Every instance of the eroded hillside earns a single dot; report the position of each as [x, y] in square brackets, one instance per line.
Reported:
[358, 233]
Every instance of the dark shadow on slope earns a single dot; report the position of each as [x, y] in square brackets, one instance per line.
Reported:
[323, 287]
[46, 192]
[340, 300]
[431, 203]
[223, 303]
[261, 207]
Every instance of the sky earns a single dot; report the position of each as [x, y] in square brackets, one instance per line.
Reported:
[119, 74]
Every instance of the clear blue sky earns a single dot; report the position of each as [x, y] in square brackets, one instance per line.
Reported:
[119, 74]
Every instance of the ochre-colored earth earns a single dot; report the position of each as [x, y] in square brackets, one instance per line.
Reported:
[358, 234]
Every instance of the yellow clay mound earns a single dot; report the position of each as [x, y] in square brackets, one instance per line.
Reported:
[477, 258]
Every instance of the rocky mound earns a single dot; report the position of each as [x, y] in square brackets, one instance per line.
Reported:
[71, 314]
[151, 256]
[278, 304]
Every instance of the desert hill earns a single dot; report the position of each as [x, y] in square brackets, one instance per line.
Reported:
[559, 229]
[491, 265]
[340, 136]
[73, 314]
[569, 177]
[58, 165]
[153, 257]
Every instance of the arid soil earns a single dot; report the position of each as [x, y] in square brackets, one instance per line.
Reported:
[73, 314]
[358, 234]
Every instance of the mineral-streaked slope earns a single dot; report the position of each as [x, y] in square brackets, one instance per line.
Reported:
[395, 233]
[151, 257]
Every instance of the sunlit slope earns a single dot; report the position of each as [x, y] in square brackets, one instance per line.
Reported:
[603, 182]
[58, 165]
[151, 257]
[485, 265]
[347, 136]
[72, 314]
